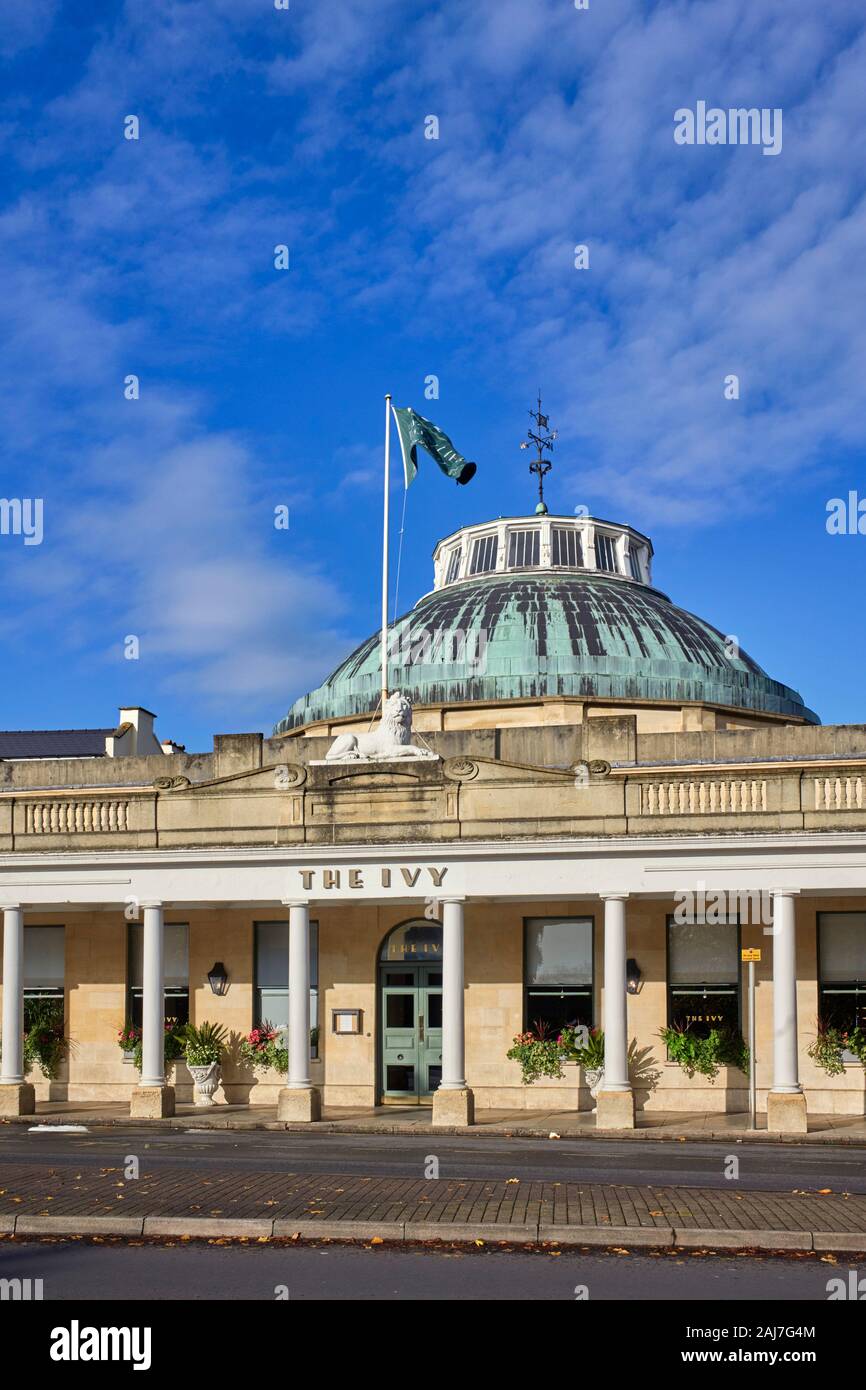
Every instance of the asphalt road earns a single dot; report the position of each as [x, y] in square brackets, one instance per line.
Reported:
[74, 1270]
[766, 1167]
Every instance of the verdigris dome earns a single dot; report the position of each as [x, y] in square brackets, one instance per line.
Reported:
[586, 624]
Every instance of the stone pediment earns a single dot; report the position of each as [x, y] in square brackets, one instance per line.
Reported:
[495, 770]
[273, 777]
[382, 776]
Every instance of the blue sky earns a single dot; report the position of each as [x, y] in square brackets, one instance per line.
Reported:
[411, 257]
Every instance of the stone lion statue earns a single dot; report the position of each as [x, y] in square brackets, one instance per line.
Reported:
[390, 738]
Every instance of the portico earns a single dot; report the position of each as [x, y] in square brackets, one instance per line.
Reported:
[356, 895]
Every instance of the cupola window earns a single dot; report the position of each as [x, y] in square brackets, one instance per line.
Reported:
[605, 555]
[565, 548]
[484, 552]
[523, 549]
[634, 565]
[453, 565]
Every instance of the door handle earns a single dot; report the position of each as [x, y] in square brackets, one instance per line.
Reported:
[420, 1027]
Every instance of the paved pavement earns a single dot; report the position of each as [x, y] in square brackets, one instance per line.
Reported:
[73, 1270]
[823, 1129]
[768, 1167]
[229, 1200]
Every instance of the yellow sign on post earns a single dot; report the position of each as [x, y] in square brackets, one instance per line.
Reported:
[751, 955]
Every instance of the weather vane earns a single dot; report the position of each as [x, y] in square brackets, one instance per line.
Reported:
[542, 437]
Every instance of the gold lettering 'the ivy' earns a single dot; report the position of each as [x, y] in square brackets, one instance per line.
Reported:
[332, 878]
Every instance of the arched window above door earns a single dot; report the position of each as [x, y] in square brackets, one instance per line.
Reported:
[418, 940]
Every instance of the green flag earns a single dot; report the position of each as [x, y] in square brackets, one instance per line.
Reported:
[413, 430]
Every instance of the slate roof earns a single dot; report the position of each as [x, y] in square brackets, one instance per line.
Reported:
[53, 743]
[529, 635]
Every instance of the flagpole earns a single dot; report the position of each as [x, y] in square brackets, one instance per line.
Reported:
[384, 656]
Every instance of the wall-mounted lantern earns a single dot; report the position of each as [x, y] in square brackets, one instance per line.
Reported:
[218, 977]
[632, 976]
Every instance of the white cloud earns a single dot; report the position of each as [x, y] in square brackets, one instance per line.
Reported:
[704, 262]
[26, 26]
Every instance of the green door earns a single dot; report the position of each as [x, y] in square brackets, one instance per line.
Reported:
[430, 1000]
[411, 1032]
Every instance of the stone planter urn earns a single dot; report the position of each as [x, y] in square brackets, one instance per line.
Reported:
[206, 1080]
[594, 1077]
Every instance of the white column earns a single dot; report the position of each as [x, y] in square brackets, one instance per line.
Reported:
[153, 1001]
[453, 1026]
[615, 1015]
[12, 1073]
[299, 1078]
[786, 1074]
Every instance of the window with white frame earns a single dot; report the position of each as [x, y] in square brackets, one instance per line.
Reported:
[565, 548]
[634, 563]
[842, 969]
[453, 570]
[484, 552]
[605, 552]
[272, 983]
[523, 549]
[175, 968]
[703, 975]
[44, 979]
[558, 972]
[44, 962]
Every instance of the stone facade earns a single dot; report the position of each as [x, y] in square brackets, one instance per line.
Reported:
[349, 939]
[602, 801]
[488, 783]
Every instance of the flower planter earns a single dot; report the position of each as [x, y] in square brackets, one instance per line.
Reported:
[206, 1079]
[594, 1078]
